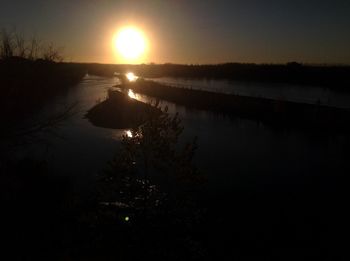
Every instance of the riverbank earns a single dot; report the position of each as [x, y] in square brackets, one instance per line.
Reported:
[276, 112]
[330, 76]
[26, 85]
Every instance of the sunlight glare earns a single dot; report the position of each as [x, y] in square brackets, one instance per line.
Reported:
[129, 133]
[131, 94]
[130, 43]
[131, 77]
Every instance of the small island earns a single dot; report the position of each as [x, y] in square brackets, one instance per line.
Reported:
[118, 111]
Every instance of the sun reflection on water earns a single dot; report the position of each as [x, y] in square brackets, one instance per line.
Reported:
[131, 77]
[128, 133]
[131, 94]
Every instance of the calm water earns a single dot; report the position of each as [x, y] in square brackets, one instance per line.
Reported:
[288, 92]
[232, 152]
[281, 191]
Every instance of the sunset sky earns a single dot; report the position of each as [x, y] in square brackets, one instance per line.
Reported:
[179, 31]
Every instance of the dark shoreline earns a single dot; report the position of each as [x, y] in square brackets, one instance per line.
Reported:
[27, 85]
[275, 112]
[330, 76]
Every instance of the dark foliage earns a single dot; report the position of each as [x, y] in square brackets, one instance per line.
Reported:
[151, 185]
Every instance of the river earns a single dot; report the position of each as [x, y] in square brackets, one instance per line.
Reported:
[269, 189]
[232, 152]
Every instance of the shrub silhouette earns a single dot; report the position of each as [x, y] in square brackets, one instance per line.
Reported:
[150, 186]
[151, 157]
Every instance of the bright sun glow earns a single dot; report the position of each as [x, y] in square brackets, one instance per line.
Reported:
[130, 44]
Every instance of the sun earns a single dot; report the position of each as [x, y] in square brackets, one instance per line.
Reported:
[130, 43]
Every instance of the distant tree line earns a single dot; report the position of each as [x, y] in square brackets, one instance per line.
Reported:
[331, 76]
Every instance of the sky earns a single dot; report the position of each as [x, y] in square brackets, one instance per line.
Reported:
[190, 32]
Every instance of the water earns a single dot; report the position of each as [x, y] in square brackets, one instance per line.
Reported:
[278, 91]
[232, 152]
[276, 190]
[82, 150]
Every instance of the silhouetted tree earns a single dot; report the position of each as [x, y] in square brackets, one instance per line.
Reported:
[150, 189]
[7, 44]
[52, 53]
[21, 49]
[151, 160]
[14, 44]
[33, 48]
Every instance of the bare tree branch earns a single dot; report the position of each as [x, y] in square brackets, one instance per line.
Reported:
[6, 44]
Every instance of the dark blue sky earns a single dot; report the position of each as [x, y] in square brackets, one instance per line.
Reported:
[182, 31]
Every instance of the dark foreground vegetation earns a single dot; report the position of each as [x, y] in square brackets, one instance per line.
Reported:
[31, 75]
[274, 112]
[333, 77]
[27, 85]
